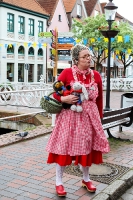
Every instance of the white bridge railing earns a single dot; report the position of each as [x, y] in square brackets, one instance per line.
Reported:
[26, 94]
[29, 94]
[119, 84]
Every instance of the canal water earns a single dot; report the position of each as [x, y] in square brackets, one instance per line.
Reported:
[4, 131]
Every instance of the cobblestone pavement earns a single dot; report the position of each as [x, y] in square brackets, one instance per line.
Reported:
[25, 175]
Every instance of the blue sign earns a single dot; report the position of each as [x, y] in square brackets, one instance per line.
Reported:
[66, 40]
[67, 58]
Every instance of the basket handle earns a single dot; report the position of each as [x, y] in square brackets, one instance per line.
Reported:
[47, 97]
[50, 94]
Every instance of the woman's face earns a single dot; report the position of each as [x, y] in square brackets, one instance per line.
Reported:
[84, 59]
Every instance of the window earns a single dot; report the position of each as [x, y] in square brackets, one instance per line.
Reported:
[39, 72]
[31, 27]
[31, 51]
[10, 22]
[96, 12]
[10, 71]
[40, 52]
[31, 73]
[21, 50]
[59, 18]
[21, 24]
[40, 26]
[79, 8]
[10, 49]
[20, 72]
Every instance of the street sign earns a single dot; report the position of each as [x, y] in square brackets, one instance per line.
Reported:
[45, 40]
[64, 46]
[52, 57]
[65, 34]
[64, 52]
[66, 40]
[67, 58]
[52, 63]
[45, 34]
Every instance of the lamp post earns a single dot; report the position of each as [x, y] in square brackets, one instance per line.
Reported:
[110, 11]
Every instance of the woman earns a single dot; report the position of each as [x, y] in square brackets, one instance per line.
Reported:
[78, 136]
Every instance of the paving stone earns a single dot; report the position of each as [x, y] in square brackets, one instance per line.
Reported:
[25, 158]
[7, 194]
[14, 190]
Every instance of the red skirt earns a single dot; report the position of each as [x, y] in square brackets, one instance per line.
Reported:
[85, 160]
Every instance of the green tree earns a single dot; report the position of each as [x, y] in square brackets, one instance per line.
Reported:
[124, 49]
[90, 28]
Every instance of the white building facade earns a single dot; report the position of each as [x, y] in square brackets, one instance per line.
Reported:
[22, 58]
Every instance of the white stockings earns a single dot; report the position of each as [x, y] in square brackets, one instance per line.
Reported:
[59, 174]
[60, 170]
[85, 171]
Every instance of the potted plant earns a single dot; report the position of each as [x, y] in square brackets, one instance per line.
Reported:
[109, 33]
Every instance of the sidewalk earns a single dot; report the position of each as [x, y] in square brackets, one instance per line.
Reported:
[25, 175]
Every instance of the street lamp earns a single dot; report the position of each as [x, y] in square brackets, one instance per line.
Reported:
[110, 11]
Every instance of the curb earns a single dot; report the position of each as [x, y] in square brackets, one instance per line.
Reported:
[117, 188]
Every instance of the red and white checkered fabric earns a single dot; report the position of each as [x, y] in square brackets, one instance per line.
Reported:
[79, 133]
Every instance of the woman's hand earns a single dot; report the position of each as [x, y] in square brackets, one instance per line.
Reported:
[70, 99]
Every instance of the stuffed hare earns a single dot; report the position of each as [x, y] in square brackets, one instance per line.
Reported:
[79, 90]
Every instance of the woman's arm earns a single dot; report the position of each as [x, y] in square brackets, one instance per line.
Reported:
[99, 100]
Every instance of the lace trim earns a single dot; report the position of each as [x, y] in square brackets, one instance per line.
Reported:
[74, 71]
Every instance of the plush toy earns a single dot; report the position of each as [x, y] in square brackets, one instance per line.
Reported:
[79, 90]
[58, 87]
[60, 90]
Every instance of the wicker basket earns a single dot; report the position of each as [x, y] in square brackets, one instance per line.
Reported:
[50, 105]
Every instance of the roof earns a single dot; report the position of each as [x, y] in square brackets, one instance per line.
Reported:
[69, 5]
[31, 5]
[49, 6]
[102, 6]
[90, 5]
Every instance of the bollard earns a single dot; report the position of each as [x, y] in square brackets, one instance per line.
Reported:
[53, 120]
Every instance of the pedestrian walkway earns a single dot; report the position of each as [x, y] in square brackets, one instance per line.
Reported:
[25, 175]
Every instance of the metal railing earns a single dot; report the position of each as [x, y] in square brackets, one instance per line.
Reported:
[119, 84]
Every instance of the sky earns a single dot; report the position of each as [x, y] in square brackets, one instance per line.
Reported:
[125, 8]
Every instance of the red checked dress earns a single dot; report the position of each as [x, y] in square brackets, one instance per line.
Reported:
[77, 136]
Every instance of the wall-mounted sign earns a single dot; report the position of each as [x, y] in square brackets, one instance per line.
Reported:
[52, 63]
[45, 34]
[66, 40]
[64, 52]
[26, 66]
[45, 40]
[65, 34]
[67, 58]
[64, 46]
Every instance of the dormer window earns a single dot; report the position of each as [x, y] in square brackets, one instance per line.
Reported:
[79, 9]
[59, 18]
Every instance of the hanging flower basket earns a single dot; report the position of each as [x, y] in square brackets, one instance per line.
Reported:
[109, 33]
